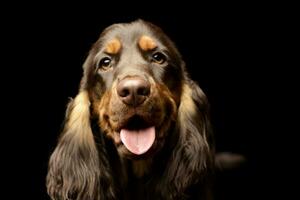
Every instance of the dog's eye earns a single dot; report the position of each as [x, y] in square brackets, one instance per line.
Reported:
[159, 58]
[104, 64]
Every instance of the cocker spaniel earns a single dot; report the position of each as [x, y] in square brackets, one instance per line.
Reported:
[139, 126]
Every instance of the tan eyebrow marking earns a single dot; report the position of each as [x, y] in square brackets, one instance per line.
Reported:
[147, 43]
[113, 47]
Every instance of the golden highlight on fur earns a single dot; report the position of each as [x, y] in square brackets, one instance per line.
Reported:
[79, 118]
[187, 104]
[187, 107]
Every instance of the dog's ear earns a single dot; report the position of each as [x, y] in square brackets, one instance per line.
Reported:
[192, 157]
[74, 165]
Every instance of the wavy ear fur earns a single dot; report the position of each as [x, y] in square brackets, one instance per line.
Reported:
[192, 156]
[74, 167]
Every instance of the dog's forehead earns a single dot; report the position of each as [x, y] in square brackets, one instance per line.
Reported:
[131, 33]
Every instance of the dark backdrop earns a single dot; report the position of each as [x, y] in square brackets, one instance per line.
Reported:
[227, 51]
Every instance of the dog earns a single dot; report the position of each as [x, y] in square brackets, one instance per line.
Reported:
[139, 127]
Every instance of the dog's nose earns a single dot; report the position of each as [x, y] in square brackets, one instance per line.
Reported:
[133, 90]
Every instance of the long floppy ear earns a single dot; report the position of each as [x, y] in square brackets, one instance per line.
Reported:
[192, 156]
[76, 168]
[74, 165]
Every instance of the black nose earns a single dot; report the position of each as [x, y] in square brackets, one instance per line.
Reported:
[133, 90]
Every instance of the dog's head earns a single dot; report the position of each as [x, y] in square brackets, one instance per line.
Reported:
[134, 76]
[136, 88]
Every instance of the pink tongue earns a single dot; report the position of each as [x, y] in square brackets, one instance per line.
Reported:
[138, 141]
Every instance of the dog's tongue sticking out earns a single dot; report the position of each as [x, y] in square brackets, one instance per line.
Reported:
[138, 141]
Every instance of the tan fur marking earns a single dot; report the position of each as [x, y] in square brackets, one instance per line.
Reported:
[146, 43]
[113, 47]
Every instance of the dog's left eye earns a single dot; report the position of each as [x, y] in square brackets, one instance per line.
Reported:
[159, 58]
[104, 64]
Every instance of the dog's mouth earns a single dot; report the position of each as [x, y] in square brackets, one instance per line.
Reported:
[138, 135]
[138, 132]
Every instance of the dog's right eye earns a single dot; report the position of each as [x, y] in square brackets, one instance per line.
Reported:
[104, 64]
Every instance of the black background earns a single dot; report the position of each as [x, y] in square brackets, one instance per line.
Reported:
[230, 50]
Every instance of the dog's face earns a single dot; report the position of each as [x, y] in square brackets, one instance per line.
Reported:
[134, 78]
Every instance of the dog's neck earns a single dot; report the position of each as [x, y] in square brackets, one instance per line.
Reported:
[141, 168]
